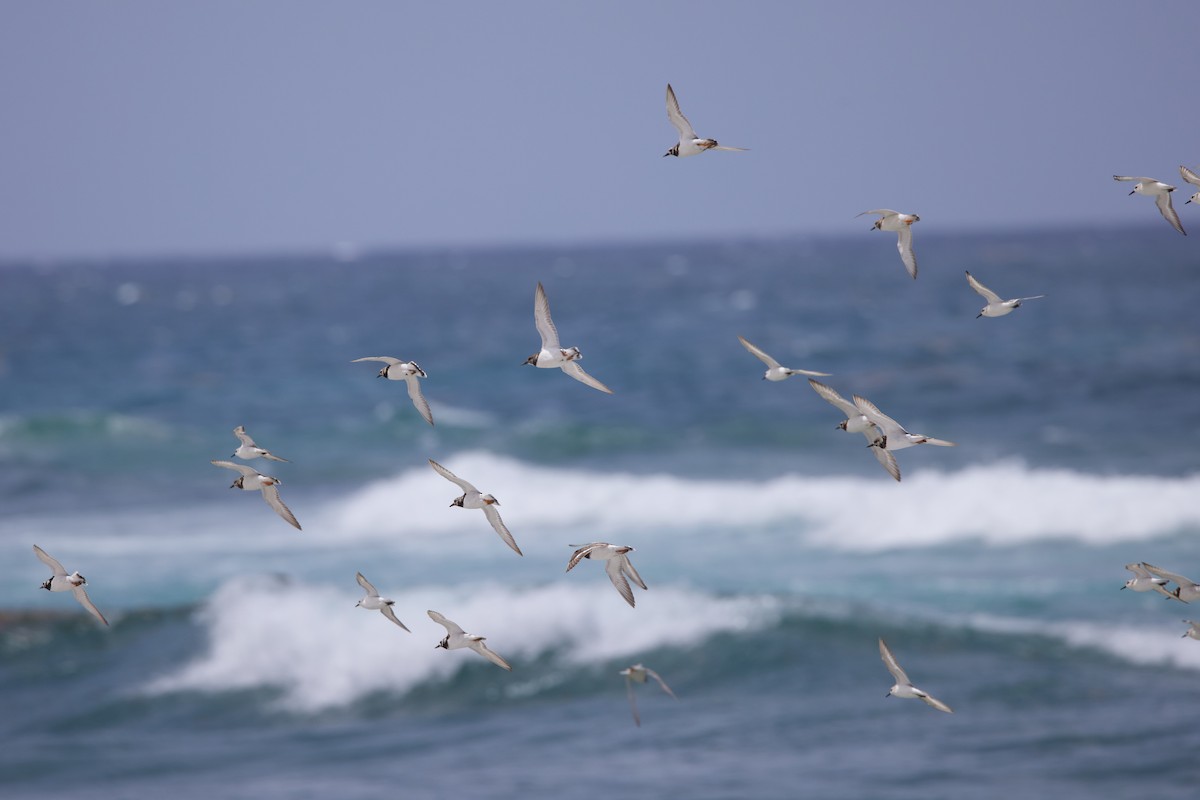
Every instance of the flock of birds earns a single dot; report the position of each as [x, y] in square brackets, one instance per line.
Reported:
[883, 435]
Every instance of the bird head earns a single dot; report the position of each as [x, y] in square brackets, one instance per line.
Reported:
[532, 360]
[444, 643]
[458, 501]
[237, 483]
[46, 583]
[382, 373]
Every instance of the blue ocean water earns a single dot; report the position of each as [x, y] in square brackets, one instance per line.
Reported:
[776, 550]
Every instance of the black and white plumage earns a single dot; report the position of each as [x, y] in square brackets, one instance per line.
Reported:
[62, 581]
[1144, 580]
[616, 564]
[895, 437]
[457, 638]
[1186, 589]
[473, 498]
[408, 371]
[689, 143]
[553, 355]
[856, 422]
[251, 480]
[1194, 180]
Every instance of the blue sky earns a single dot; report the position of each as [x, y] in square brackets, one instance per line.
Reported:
[148, 128]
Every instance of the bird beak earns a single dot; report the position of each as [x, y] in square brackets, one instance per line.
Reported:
[980, 314]
[1123, 588]
[1132, 192]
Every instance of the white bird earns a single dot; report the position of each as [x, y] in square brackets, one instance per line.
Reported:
[473, 498]
[856, 422]
[996, 307]
[408, 371]
[376, 603]
[894, 435]
[638, 674]
[901, 224]
[617, 565]
[553, 354]
[61, 581]
[903, 686]
[1187, 590]
[252, 480]
[775, 371]
[1193, 631]
[249, 450]
[1194, 180]
[456, 638]
[1144, 581]
[1161, 193]
[689, 143]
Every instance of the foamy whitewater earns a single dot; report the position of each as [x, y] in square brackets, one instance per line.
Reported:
[775, 549]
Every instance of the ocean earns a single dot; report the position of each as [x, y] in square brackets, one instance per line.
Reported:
[776, 550]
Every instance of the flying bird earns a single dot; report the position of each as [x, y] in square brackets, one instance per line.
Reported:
[689, 143]
[1187, 590]
[903, 686]
[252, 480]
[553, 355]
[995, 306]
[473, 498]
[616, 564]
[894, 435]
[775, 371]
[1194, 180]
[901, 224]
[1161, 193]
[248, 450]
[856, 422]
[61, 581]
[638, 674]
[1145, 581]
[457, 638]
[408, 371]
[374, 602]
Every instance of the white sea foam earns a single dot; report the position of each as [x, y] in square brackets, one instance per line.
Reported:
[314, 645]
[1001, 503]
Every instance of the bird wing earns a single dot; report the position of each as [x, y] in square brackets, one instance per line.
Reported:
[869, 410]
[1171, 576]
[886, 212]
[489, 511]
[50, 561]
[1131, 178]
[387, 611]
[541, 319]
[1139, 570]
[933, 701]
[904, 245]
[87, 603]
[418, 398]
[686, 131]
[617, 575]
[573, 369]
[479, 647]
[451, 627]
[271, 495]
[661, 682]
[582, 552]
[727, 147]
[893, 667]
[450, 476]
[240, 433]
[987, 293]
[831, 396]
[1163, 201]
[886, 460]
[1189, 176]
[632, 700]
[366, 584]
[939, 442]
[628, 568]
[242, 468]
[758, 353]
[384, 359]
